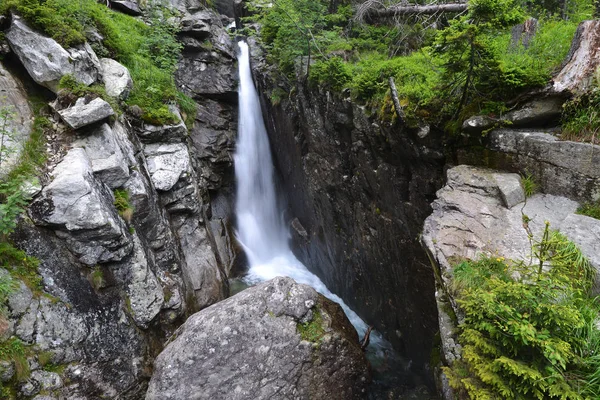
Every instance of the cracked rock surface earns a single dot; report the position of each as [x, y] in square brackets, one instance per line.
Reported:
[249, 347]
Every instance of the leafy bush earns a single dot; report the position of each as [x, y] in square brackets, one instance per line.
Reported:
[525, 327]
[332, 73]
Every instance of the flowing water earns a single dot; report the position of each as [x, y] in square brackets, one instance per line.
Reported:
[261, 228]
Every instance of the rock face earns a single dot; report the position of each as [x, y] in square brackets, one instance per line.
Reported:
[559, 167]
[207, 68]
[13, 99]
[81, 210]
[470, 219]
[46, 61]
[250, 347]
[361, 190]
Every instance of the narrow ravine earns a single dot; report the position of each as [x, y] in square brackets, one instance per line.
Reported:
[264, 237]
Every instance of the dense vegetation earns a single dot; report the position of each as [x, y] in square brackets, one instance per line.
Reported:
[445, 68]
[530, 328]
[149, 50]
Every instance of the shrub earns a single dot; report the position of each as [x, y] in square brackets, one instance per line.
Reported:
[525, 328]
[332, 73]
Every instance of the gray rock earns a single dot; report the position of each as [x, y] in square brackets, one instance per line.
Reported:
[208, 64]
[541, 112]
[108, 161]
[164, 133]
[510, 189]
[186, 6]
[117, 79]
[144, 292]
[560, 167]
[469, 219]
[47, 380]
[213, 136]
[46, 61]
[80, 209]
[20, 299]
[30, 388]
[256, 332]
[31, 187]
[166, 163]
[84, 113]
[201, 269]
[198, 25]
[13, 98]
[7, 371]
[127, 7]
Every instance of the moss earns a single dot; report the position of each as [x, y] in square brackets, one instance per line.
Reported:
[312, 331]
[21, 266]
[97, 278]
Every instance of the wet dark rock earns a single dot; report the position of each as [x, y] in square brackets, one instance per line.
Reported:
[361, 190]
[208, 64]
[250, 347]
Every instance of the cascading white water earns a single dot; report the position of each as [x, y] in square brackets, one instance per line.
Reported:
[260, 226]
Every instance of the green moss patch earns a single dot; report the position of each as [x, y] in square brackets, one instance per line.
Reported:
[312, 331]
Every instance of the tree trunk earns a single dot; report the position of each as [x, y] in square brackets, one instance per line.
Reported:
[396, 100]
[375, 13]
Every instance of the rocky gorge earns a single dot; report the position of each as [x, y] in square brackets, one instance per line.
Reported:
[130, 229]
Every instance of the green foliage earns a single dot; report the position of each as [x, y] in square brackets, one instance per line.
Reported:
[123, 205]
[581, 117]
[312, 331]
[149, 51]
[332, 73]
[530, 187]
[591, 209]
[525, 330]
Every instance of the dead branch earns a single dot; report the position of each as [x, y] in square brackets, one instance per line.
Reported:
[370, 11]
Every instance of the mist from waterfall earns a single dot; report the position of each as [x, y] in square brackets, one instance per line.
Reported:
[261, 228]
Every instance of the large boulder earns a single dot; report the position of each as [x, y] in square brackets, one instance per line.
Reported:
[19, 118]
[166, 163]
[277, 340]
[116, 77]
[85, 112]
[46, 61]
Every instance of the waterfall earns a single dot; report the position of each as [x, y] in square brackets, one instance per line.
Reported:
[260, 226]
